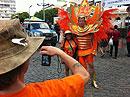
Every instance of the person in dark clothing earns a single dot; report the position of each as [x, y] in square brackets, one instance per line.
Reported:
[115, 36]
[57, 29]
[103, 47]
[128, 42]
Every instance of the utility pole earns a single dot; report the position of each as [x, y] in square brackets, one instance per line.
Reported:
[29, 11]
[29, 16]
[43, 11]
[93, 2]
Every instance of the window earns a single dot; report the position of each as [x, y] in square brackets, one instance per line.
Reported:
[39, 26]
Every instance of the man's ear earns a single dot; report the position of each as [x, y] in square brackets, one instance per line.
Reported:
[25, 66]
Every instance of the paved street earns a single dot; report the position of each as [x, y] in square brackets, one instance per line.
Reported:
[113, 75]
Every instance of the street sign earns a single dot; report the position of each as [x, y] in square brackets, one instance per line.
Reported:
[110, 3]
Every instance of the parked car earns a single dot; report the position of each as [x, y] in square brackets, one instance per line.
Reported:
[40, 29]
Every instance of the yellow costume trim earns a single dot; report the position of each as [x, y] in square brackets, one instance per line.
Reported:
[83, 31]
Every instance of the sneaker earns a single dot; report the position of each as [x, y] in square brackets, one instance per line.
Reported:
[94, 84]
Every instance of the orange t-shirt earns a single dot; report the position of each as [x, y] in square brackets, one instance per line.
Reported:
[72, 86]
[70, 50]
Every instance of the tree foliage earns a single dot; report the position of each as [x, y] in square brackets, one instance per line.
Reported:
[49, 14]
[21, 16]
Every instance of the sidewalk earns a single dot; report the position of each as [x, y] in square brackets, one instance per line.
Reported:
[113, 75]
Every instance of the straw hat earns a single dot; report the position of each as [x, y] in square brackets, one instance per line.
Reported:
[68, 32]
[15, 46]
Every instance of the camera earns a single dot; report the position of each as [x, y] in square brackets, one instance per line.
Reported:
[46, 59]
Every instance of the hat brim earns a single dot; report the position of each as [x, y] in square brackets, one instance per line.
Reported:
[12, 62]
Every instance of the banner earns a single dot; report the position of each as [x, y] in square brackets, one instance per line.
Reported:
[110, 3]
[76, 1]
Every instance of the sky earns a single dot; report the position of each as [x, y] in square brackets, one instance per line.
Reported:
[23, 5]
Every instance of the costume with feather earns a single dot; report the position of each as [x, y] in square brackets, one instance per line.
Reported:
[98, 25]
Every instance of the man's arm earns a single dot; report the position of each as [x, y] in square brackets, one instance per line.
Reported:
[74, 65]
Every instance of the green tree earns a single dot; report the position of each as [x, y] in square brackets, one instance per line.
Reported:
[39, 14]
[49, 14]
[21, 16]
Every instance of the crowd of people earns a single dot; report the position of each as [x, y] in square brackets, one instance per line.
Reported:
[88, 41]
[15, 52]
[69, 44]
[104, 45]
[114, 40]
[78, 47]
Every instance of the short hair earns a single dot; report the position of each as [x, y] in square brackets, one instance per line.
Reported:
[9, 78]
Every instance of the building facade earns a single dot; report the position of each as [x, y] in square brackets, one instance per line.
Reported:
[7, 8]
[123, 19]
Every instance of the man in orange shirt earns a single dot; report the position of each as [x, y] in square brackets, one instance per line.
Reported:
[15, 51]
